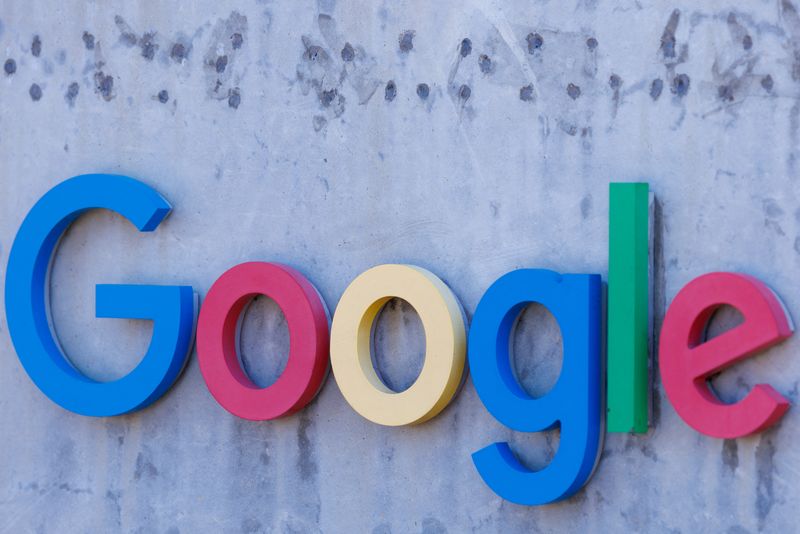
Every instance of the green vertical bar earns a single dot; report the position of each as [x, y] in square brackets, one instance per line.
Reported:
[628, 308]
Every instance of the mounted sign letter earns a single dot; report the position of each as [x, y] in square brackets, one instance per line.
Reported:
[217, 339]
[445, 345]
[171, 308]
[574, 402]
[687, 360]
[628, 309]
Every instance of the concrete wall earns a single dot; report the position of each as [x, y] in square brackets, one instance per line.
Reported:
[272, 147]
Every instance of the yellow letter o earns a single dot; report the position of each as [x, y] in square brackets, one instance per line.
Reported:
[351, 345]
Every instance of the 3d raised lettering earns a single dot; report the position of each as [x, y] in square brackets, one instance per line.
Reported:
[627, 407]
[445, 345]
[574, 402]
[171, 308]
[687, 360]
[217, 336]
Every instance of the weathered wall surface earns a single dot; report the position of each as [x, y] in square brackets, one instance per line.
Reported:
[299, 132]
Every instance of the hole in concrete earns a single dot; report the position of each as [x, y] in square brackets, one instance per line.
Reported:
[398, 345]
[263, 341]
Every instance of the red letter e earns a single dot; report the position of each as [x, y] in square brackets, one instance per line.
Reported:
[687, 361]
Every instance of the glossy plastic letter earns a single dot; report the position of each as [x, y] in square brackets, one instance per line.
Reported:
[628, 309]
[217, 339]
[574, 402]
[445, 345]
[687, 360]
[171, 308]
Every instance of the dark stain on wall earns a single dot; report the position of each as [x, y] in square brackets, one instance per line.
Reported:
[535, 42]
[234, 97]
[113, 498]
[431, 525]
[765, 471]
[526, 93]
[220, 64]
[738, 32]
[251, 525]
[127, 37]
[348, 53]
[734, 80]
[144, 467]
[149, 46]
[35, 92]
[656, 88]
[229, 37]
[88, 40]
[179, 52]
[680, 85]
[237, 40]
[668, 36]
[730, 454]
[573, 91]
[725, 93]
[485, 64]
[147, 42]
[306, 461]
[586, 206]
[390, 92]
[104, 85]
[586, 141]
[729, 86]
[320, 72]
[406, 41]
[568, 128]
[465, 48]
[315, 53]
[792, 19]
[227, 40]
[72, 93]
[36, 46]
[326, 97]
[615, 83]
[319, 122]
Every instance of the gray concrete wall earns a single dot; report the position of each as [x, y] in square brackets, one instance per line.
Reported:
[284, 152]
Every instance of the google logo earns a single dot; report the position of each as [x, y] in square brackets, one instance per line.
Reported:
[601, 388]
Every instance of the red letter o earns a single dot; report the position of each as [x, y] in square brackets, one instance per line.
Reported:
[309, 333]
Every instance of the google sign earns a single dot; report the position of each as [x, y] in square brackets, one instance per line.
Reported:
[576, 403]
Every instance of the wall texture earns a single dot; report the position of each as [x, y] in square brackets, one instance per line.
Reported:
[300, 132]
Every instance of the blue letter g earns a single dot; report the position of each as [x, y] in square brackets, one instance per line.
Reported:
[171, 308]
